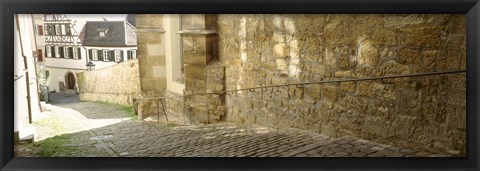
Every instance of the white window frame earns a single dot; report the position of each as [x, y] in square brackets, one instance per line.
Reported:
[134, 54]
[64, 29]
[58, 30]
[66, 53]
[57, 52]
[105, 55]
[117, 55]
[74, 49]
[49, 51]
[94, 54]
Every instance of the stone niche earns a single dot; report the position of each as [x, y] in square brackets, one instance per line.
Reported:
[203, 72]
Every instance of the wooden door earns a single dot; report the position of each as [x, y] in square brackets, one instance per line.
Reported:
[71, 81]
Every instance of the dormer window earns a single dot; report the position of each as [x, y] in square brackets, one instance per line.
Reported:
[102, 33]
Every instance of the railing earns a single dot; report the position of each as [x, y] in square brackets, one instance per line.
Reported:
[297, 85]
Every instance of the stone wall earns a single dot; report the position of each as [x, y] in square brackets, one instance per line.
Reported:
[151, 51]
[116, 84]
[419, 112]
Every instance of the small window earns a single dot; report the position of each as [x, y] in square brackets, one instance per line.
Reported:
[40, 55]
[68, 30]
[102, 33]
[40, 30]
[117, 55]
[64, 29]
[49, 51]
[57, 52]
[105, 55]
[58, 30]
[134, 54]
[77, 54]
[94, 55]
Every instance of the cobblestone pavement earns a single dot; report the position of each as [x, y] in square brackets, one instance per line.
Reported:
[101, 130]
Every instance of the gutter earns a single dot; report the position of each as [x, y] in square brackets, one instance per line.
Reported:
[27, 79]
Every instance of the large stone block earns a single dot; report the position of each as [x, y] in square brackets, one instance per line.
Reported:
[383, 37]
[425, 36]
[313, 91]
[409, 55]
[196, 72]
[368, 54]
[349, 87]
[329, 92]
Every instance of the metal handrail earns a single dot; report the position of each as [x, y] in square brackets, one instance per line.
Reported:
[284, 85]
[308, 83]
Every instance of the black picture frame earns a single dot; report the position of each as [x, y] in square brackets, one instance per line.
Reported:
[10, 7]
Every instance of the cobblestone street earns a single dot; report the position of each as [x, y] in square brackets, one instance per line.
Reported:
[94, 129]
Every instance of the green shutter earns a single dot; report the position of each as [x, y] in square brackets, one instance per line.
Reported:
[90, 54]
[99, 55]
[129, 54]
[53, 51]
[62, 53]
[79, 53]
[70, 52]
[111, 55]
[121, 55]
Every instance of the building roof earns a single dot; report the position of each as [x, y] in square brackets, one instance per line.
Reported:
[131, 19]
[109, 34]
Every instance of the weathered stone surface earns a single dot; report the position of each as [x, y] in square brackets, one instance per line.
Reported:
[409, 55]
[116, 84]
[304, 48]
[368, 54]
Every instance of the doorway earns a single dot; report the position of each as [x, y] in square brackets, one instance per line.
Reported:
[70, 81]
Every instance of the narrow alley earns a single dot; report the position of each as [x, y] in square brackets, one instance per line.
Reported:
[96, 129]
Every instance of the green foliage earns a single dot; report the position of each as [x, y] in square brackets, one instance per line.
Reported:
[80, 78]
[41, 77]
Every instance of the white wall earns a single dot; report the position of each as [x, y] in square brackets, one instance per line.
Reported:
[57, 75]
[173, 52]
[24, 37]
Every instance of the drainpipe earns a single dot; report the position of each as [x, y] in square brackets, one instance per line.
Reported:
[36, 74]
[27, 78]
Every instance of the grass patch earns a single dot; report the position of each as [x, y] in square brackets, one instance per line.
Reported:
[171, 124]
[127, 109]
[51, 147]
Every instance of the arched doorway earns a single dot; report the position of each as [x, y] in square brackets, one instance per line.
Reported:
[70, 81]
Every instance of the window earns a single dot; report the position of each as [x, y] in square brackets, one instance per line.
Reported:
[63, 29]
[94, 54]
[67, 30]
[67, 52]
[77, 53]
[132, 54]
[105, 55]
[57, 52]
[40, 30]
[58, 30]
[74, 53]
[102, 33]
[49, 51]
[117, 55]
[40, 55]
[50, 29]
[61, 51]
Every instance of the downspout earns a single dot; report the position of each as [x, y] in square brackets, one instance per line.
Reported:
[36, 74]
[27, 78]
